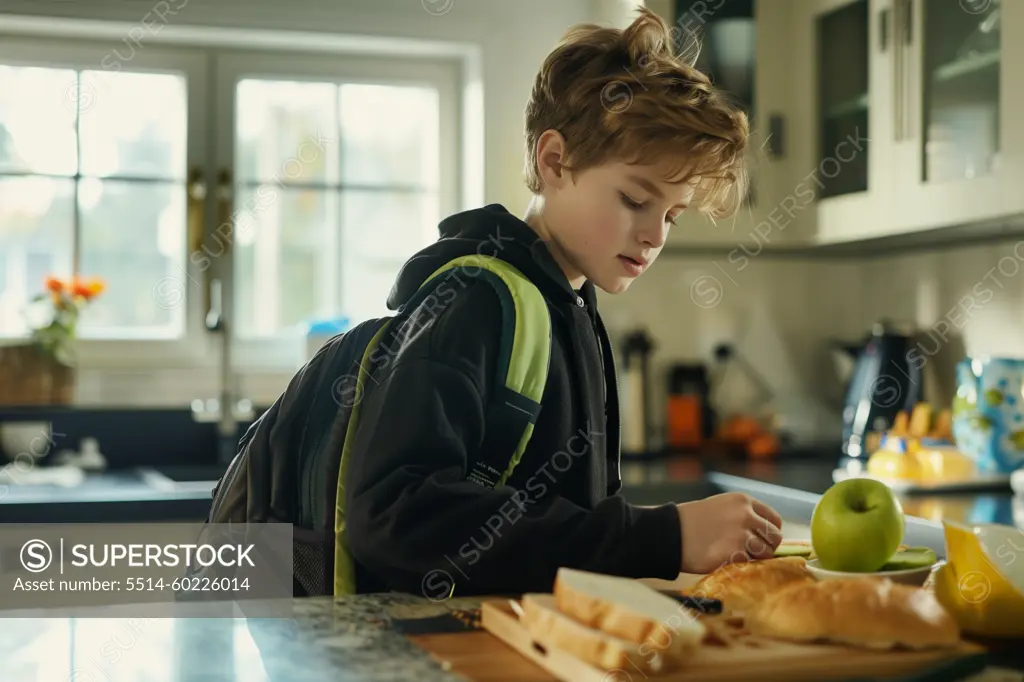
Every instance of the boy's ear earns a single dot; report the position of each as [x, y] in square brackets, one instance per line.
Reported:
[550, 159]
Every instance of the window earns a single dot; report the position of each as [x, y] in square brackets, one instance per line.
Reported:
[92, 176]
[339, 170]
[338, 185]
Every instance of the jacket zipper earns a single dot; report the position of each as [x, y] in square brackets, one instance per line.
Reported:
[315, 518]
[618, 411]
[606, 349]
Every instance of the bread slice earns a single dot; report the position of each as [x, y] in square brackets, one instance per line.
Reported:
[743, 584]
[551, 628]
[869, 612]
[627, 609]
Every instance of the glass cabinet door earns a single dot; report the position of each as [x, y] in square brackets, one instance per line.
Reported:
[726, 34]
[960, 89]
[843, 48]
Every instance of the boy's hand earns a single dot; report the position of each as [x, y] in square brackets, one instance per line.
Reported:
[726, 528]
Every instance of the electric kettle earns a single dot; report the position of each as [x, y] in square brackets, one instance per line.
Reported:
[884, 383]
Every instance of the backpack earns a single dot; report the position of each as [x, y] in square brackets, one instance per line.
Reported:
[291, 462]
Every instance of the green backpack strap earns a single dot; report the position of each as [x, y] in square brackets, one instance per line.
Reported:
[520, 377]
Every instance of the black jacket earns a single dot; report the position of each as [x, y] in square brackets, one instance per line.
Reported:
[415, 523]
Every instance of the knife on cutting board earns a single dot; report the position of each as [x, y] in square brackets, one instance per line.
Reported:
[702, 604]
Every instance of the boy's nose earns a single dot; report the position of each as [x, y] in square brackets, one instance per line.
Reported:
[656, 235]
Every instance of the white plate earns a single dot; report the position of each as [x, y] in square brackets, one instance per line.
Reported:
[909, 576]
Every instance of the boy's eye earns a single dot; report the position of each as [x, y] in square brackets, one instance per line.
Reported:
[630, 203]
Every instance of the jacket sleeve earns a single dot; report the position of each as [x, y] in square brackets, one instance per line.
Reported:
[417, 523]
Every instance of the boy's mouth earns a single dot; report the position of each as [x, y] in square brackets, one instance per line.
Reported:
[634, 266]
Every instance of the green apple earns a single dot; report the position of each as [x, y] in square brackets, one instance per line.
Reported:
[857, 526]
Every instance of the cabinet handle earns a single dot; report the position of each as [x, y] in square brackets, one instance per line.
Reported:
[908, 22]
[904, 20]
[907, 67]
[897, 80]
[883, 29]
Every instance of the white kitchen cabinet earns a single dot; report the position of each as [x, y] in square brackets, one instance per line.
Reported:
[926, 85]
[731, 43]
[841, 114]
[959, 141]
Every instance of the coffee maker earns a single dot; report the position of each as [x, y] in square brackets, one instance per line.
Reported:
[885, 381]
[634, 389]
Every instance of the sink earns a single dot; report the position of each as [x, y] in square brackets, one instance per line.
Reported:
[183, 478]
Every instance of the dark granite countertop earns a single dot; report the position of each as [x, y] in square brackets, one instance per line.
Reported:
[352, 639]
[344, 640]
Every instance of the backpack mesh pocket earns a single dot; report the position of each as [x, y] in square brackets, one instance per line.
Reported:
[310, 565]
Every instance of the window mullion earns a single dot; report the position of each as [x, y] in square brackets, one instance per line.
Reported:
[76, 213]
[339, 251]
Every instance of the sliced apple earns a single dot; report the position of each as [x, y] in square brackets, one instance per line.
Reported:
[911, 557]
[785, 549]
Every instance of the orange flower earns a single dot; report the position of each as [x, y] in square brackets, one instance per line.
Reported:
[87, 289]
[55, 285]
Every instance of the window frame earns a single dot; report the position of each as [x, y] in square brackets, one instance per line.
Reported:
[191, 349]
[288, 352]
[453, 69]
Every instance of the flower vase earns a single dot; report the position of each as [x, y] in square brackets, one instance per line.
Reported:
[30, 376]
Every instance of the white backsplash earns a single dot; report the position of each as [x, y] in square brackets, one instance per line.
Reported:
[972, 293]
[780, 313]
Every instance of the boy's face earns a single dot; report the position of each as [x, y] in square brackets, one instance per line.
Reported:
[611, 221]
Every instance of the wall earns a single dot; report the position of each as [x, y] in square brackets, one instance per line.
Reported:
[775, 312]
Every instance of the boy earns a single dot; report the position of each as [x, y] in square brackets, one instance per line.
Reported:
[621, 137]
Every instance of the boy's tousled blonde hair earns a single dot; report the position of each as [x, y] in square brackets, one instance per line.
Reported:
[626, 95]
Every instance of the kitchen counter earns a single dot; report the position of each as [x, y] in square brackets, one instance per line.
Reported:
[794, 487]
[343, 640]
[109, 496]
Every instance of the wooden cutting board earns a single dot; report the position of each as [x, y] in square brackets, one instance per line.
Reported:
[482, 657]
[504, 652]
[754, 659]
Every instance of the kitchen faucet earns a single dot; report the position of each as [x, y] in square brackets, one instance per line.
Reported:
[229, 408]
